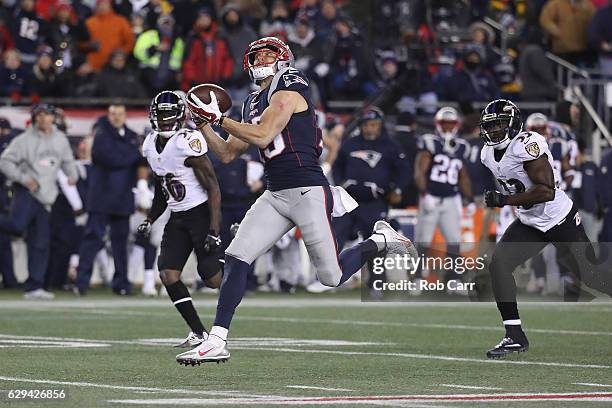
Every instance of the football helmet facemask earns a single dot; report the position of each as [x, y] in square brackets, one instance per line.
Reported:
[500, 122]
[167, 113]
[448, 122]
[537, 122]
[259, 70]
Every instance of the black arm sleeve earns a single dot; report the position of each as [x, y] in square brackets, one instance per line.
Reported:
[159, 202]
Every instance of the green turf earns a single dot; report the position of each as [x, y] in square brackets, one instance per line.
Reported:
[415, 333]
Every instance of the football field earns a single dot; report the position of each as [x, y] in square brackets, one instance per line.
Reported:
[325, 350]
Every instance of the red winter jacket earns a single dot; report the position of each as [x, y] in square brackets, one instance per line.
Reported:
[207, 59]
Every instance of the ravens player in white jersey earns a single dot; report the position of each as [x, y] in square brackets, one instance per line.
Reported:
[523, 165]
[280, 119]
[186, 183]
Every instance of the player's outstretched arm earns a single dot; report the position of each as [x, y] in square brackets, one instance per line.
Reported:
[204, 172]
[226, 150]
[540, 173]
[274, 119]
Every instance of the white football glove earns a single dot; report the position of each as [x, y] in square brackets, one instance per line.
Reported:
[206, 111]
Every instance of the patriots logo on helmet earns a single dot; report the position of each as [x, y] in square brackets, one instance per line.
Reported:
[369, 156]
[293, 79]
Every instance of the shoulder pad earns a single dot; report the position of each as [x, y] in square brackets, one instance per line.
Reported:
[191, 142]
[529, 146]
[147, 144]
[427, 142]
[287, 79]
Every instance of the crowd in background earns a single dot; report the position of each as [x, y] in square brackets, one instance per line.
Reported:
[431, 50]
[414, 53]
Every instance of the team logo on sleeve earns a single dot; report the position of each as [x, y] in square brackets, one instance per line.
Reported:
[293, 79]
[195, 145]
[533, 149]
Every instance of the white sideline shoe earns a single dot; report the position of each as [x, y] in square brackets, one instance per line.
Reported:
[395, 242]
[39, 294]
[192, 340]
[207, 352]
[149, 291]
[318, 287]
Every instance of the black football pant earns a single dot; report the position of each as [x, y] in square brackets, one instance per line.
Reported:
[521, 242]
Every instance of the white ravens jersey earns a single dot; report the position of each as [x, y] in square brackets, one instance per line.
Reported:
[509, 172]
[180, 185]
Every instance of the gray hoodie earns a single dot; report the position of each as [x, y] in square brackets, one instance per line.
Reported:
[35, 155]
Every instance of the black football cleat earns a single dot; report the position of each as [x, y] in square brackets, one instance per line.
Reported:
[507, 346]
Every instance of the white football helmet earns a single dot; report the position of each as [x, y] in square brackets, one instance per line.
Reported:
[447, 115]
[259, 72]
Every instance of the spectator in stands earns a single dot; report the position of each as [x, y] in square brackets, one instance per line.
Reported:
[6, 40]
[405, 83]
[483, 38]
[238, 36]
[254, 11]
[159, 52]
[566, 21]
[28, 31]
[309, 9]
[185, 16]
[6, 253]
[116, 166]
[207, 57]
[535, 70]
[600, 37]
[326, 19]
[14, 80]
[587, 194]
[277, 23]
[31, 162]
[45, 80]
[110, 31]
[152, 11]
[472, 82]
[350, 71]
[118, 80]
[305, 46]
[68, 37]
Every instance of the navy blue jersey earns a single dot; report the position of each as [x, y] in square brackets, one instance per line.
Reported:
[588, 197]
[606, 180]
[368, 169]
[291, 160]
[559, 150]
[447, 162]
[233, 179]
[480, 176]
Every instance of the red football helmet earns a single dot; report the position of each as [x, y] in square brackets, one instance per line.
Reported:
[260, 71]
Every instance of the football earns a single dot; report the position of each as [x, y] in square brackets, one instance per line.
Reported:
[202, 91]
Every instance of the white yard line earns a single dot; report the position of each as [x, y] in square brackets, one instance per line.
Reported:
[335, 352]
[470, 387]
[594, 385]
[289, 302]
[228, 393]
[369, 323]
[393, 400]
[428, 357]
[308, 387]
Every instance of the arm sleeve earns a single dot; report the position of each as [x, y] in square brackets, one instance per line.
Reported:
[9, 162]
[289, 80]
[159, 202]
